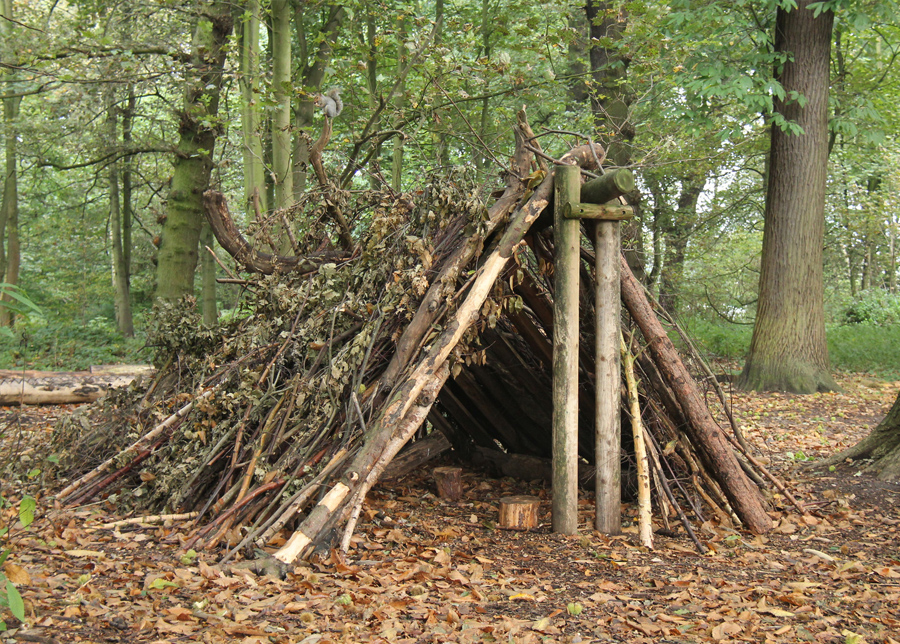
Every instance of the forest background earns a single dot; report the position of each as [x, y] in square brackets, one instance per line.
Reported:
[105, 104]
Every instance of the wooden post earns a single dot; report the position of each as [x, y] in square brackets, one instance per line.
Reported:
[567, 239]
[607, 379]
[607, 360]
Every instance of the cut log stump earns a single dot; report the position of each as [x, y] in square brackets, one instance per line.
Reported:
[449, 482]
[519, 512]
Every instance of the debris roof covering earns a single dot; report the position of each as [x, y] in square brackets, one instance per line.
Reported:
[284, 417]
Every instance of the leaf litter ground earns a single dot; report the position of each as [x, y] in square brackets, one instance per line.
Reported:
[425, 570]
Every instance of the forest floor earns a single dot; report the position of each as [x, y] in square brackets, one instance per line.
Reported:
[425, 570]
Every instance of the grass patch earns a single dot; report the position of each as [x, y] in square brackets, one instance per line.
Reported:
[858, 348]
[718, 339]
[866, 348]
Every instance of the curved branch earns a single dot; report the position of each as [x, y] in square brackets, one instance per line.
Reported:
[237, 246]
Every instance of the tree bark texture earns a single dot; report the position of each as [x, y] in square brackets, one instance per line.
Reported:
[882, 445]
[193, 155]
[208, 307]
[119, 269]
[788, 350]
[610, 99]
[567, 241]
[9, 208]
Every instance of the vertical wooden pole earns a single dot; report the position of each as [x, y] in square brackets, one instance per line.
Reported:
[567, 239]
[607, 461]
[607, 443]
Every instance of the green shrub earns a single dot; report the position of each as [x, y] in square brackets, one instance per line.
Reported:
[53, 346]
[873, 306]
[860, 348]
[719, 339]
[866, 348]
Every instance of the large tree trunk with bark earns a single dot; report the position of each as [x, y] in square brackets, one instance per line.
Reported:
[882, 445]
[788, 350]
[9, 207]
[193, 155]
[281, 113]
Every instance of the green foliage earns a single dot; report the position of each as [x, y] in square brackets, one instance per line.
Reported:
[858, 348]
[11, 599]
[873, 306]
[719, 338]
[866, 348]
[17, 301]
[55, 345]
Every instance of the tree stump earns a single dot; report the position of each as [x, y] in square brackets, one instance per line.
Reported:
[519, 512]
[449, 482]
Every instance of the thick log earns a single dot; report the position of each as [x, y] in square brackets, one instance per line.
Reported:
[705, 433]
[519, 512]
[608, 380]
[607, 187]
[567, 239]
[416, 455]
[449, 482]
[63, 387]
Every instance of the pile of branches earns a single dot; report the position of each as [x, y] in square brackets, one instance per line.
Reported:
[284, 418]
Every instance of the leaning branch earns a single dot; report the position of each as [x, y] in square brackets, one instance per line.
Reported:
[230, 238]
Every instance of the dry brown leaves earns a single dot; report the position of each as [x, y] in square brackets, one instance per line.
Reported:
[423, 570]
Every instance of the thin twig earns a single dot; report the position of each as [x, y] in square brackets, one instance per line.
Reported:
[152, 518]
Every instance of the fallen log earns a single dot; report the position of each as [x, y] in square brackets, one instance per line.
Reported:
[63, 387]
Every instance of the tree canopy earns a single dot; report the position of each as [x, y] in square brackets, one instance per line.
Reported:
[99, 109]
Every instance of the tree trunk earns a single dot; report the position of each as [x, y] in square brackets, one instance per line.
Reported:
[610, 99]
[281, 119]
[882, 445]
[313, 73]
[9, 208]
[251, 120]
[193, 155]
[680, 223]
[610, 106]
[372, 82]
[127, 203]
[399, 103]
[788, 350]
[122, 297]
